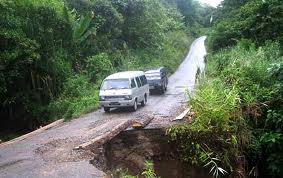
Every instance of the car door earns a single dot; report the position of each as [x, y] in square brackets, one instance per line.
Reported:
[145, 86]
[139, 89]
[134, 87]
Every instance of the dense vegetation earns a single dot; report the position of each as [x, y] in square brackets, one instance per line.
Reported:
[238, 104]
[55, 53]
[257, 20]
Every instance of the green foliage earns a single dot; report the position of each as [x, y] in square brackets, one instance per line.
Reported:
[55, 53]
[144, 24]
[54, 5]
[212, 162]
[196, 16]
[148, 172]
[81, 29]
[170, 55]
[239, 102]
[33, 59]
[98, 66]
[78, 97]
[216, 107]
[252, 19]
[187, 9]
[217, 112]
[121, 173]
[256, 73]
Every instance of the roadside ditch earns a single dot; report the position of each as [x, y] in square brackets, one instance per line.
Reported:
[131, 148]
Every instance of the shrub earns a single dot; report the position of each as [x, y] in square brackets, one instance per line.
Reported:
[79, 96]
[238, 111]
[214, 137]
[98, 66]
[148, 172]
[215, 106]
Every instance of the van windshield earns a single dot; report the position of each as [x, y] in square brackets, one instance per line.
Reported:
[153, 76]
[116, 84]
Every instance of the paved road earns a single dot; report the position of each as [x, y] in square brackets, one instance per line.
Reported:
[51, 154]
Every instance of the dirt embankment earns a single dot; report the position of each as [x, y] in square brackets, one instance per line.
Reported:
[129, 150]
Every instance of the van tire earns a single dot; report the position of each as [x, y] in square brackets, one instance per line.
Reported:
[135, 107]
[106, 109]
[144, 101]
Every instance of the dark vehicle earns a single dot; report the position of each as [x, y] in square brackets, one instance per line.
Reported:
[157, 79]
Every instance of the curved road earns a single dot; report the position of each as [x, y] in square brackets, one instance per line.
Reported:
[50, 153]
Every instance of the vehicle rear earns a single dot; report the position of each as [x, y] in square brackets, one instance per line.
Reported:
[157, 79]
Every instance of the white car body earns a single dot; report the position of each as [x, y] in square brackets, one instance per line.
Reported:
[124, 89]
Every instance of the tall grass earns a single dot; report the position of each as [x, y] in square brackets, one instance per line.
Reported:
[78, 97]
[215, 105]
[232, 107]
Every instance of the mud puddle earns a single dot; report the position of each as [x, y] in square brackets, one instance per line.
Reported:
[130, 149]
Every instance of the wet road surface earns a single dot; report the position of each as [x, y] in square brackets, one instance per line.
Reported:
[50, 153]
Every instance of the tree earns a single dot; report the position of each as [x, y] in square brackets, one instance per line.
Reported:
[254, 19]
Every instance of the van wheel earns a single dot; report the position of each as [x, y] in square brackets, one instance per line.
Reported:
[135, 107]
[144, 101]
[106, 109]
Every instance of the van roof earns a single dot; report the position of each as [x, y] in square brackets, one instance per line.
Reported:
[152, 71]
[127, 74]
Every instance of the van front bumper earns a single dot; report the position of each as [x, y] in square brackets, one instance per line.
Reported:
[117, 104]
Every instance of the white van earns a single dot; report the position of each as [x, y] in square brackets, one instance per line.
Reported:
[124, 89]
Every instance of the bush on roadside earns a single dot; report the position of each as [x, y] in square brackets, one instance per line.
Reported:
[214, 138]
[98, 66]
[79, 96]
[238, 112]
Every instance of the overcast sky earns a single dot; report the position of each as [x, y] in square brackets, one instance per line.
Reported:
[213, 3]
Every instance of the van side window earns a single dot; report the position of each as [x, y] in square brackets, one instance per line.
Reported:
[133, 83]
[143, 80]
[138, 81]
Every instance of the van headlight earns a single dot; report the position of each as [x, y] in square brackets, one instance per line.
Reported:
[101, 98]
[128, 97]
